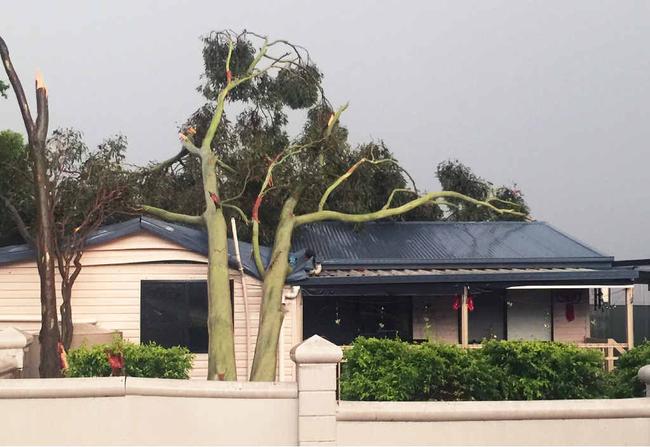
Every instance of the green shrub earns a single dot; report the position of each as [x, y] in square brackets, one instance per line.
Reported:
[379, 370]
[547, 370]
[624, 378]
[147, 360]
[395, 370]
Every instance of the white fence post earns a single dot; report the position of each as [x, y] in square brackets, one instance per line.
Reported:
[644, 376]
[317, 361]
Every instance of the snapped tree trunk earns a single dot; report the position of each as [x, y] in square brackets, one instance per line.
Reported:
[49, 335]
[272, 314]
[44, 240]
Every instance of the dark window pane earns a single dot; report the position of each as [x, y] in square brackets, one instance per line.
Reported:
[198, 316]
[175, 313]
[486, 321]
[342, 319]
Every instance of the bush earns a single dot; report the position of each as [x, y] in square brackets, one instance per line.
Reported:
[395, 370]
[547, 370]
[624, 378]
[148, 360]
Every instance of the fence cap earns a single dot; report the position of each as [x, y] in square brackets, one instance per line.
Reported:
[12, 338]
[644, 374]
[316, 350]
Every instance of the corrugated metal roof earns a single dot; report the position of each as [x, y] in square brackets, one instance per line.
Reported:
[194, 239]
[442, 243]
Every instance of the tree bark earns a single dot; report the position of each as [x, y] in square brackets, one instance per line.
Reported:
[221, 344]
[66, 314]
[272, 314]
[49, 335]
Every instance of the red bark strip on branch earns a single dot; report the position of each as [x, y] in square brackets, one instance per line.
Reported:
[256, 208]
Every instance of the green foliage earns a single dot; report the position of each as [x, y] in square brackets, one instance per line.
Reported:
[624, 378]
[15, 184]
[255, 131]
[148, 360]
[3, 89]
[455, 176]
[399, 371]
[394, 370]
[547, 370]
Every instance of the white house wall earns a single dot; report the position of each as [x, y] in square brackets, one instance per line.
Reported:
[107, 292]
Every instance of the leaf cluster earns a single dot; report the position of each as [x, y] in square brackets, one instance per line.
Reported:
[455, 176]
[3, 88]
[147, 360]
[625, 382]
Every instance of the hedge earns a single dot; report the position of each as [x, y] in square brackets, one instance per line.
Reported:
[624, 381]
[501, 370]
[146, 360]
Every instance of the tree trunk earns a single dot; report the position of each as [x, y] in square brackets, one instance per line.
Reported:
[66, 314]
[221, 345]
[272, 314]
[37, 135]
[49, 336]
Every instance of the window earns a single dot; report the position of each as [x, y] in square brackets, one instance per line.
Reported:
[175, 313]
[342, 319]
[486, 321]
[529, 315]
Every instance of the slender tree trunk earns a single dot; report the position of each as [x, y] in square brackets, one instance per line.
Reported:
[49, 335]
[272, 314]
[221, 345]
[66, 314]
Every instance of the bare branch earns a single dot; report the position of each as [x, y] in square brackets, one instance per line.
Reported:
[18, 220]
[505, 202]
[172, 217]
[239, 211]
[243, 189]
[347, 175]
[257, 255]
[17, 87]
[319, 216]
[393, 193]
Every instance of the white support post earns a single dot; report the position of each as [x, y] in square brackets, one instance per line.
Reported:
[629, 307]
[464, 320]
[317, 362]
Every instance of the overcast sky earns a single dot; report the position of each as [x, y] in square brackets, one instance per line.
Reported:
[554, 96]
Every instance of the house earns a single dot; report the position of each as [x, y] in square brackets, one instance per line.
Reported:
[409, 279]
[454, 282]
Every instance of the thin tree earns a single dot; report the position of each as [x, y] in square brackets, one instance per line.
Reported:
[89, 187]
[297, 155]
[45, 232]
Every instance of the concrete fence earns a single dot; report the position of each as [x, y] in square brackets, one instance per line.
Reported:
[118, 410]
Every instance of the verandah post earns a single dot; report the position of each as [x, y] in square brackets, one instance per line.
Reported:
[464, 320]
[629, 307]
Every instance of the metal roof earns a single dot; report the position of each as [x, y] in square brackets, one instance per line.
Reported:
[431, 244]
[194, 239]
[402, 252]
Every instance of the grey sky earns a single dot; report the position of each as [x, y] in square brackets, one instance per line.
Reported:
[552, 95]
